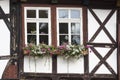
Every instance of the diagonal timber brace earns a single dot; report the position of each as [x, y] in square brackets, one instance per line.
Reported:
[5, 18]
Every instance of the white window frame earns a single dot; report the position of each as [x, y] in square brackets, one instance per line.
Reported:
[37, 20]
[69, 21]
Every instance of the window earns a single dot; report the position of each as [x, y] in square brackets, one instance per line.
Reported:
[37, 25]
[69, 25]
[52, 26]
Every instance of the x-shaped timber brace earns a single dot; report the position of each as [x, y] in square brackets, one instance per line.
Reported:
[112, 45]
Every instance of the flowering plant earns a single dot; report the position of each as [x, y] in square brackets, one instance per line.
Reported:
[65, 50]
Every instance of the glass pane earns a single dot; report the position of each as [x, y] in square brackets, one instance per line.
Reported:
[31, 28]
[75, 14]
[63, 28]
[31, 39]
[63, 39]
[75, 39]
[43, 28]
[43, 13]
[63, 13]
[31, 13]
[43, 39]
[75, 28]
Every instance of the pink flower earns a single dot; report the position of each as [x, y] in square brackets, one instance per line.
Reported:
[26, 52]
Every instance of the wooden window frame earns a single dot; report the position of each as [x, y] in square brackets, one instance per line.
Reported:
[54, 73]
[69, 21]
[38, 20]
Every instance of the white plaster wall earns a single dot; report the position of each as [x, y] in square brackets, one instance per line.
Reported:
[4, 37]
[4, 32]
[5, 5]
[102, 38]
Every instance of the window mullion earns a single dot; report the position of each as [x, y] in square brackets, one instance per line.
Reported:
[49, 27]
[69, 34]
[37, 34]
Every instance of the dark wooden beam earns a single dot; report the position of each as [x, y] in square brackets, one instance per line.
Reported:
[5, 57]
[5, 18]
[1, 16]
[118, 3]
[85, 39]
[102, 25]
[106, 45]
[118, 39]
[65, 76]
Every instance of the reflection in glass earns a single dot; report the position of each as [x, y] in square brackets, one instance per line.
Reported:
[43, 13]
[31, 28]
[63, 13]
[31, 39]
[43, 39]
[63, 39]
[31, 13]
[75, 28]
[43, 28]
[63, 28]
[75, 39]
[75, 14]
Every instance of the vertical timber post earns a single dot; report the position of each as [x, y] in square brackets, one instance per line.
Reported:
[85, 39]
[118, 41]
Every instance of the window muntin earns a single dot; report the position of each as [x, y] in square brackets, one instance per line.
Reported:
[69, 26]
[37, 25]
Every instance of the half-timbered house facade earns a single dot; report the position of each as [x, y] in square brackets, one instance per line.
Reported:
[94, 23]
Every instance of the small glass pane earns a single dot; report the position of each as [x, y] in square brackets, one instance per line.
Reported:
[75, 39]
[31, 13]
[43, 13]
[63, 39]
[43, 39]
[43, 28]
[31, 28]
[75, 14]
[75, 28]
[63, 13]
[31, 39]
[63, 28]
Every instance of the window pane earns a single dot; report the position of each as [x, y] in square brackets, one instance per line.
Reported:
[31, 13]
[63, 28]
[43, 13]
[75, 14]
[31, 39]
[63, 13]
[63, 39]
[75, 28]
[31, 28]
[43, 39]
[43, 28]
[75, 39]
